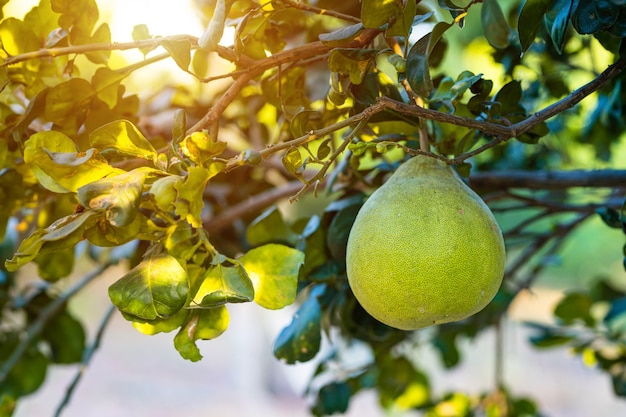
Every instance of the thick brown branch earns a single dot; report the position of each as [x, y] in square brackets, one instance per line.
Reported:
[549, 180]
[252, 205]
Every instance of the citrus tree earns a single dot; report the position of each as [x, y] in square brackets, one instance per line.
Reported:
[316, 103]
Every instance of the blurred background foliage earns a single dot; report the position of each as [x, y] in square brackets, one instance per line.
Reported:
[234, 175]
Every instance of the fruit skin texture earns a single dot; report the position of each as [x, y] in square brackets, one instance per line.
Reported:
[424, 249]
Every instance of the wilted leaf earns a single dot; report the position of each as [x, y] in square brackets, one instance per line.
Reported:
[58, 164]
[117, 196]
[203, 324]
[222, 284]
[273, 270]
[62, 234]
[300, 340]
[155, 288]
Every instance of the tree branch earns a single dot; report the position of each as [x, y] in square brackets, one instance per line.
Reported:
[549, 180]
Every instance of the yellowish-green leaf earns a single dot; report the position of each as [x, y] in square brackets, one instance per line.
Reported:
[106, 82]
[200, 147]
[273, 270]
[166, 325]
[122, 138]
[101, 35]
[223, 285]
[179, 50]
[156, 288]
[68, 99]
[16, 37]
[376, 13]
[60, 235]
[58, 164]
[190, 201]
[204, 324]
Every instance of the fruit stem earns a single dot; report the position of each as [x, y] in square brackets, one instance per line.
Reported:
[423, 132]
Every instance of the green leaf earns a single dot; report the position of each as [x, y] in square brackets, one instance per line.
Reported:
[58, 164]
[494, 23]
[66, 338]
[300, 340]
[417, 71]
[203, 324]
[575, 306]
[557, 20]
[332, 398]
[28, 373]
[401, 385]
[339, 230]
[376, 13]
[268, 227]
[104, 233]
[156, 288]
[53, 266]
[180, 51]
[530, 20]
[222, 284]
[122, 138]
[273, 270]
[402, 26]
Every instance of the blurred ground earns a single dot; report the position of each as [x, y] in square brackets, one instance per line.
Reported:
[137, 375]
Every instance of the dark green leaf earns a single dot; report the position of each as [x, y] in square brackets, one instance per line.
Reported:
[332, 398]
[417, 70]
[204, 324]
[354, 62]
[530, 20]
[300, 341]
[339, 230]
[610, 217]
[274, 271]
[494, 23]
[340, 36]
[66, 338]
[557, 19]
[550, 340]
[28, 373]
[155, 288]
[575, 306]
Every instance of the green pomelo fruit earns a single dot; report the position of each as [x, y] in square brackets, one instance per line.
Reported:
[424, 249]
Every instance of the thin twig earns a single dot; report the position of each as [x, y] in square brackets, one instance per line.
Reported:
[35, 328]
[323, 12]
[88, 354]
